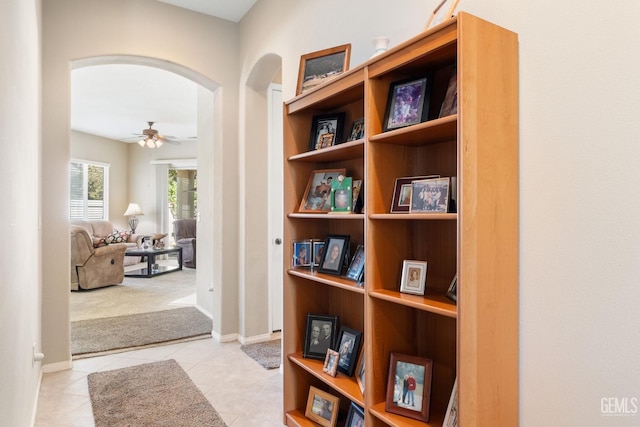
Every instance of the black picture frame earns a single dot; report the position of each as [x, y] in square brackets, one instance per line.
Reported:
[452, 292]
[355, 416]
[333, 261]
[356, 267]
[348, 346]
[326, 130]
[357, 130]
[317, 344]
[408, 103]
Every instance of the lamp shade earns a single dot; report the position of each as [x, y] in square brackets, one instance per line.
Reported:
[133, 209]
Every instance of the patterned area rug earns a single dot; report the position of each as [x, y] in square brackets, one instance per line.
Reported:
[265, 353]
[111, 334]
[153, 394]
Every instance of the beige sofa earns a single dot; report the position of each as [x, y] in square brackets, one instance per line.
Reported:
[97, 255]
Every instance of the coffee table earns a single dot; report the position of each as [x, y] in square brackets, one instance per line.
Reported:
[150, 255]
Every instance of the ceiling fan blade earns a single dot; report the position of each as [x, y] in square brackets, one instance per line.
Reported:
[168, 140]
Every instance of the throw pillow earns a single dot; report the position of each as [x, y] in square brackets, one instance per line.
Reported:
[118, 236]
[99, 241]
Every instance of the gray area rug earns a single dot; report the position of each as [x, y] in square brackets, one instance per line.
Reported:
[153, 394]
[265, 353]
[97, 336]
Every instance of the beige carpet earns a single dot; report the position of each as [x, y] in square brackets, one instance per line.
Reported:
[153, 394]
[110, 334]
[265, 353]
[136, 295]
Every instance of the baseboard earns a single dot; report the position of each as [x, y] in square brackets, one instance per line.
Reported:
[37, 398]
[224, 338]
[59, 366]
[258, 338]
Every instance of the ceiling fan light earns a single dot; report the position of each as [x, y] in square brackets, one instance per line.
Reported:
[150, 143]
[142, 143]
[158, 143]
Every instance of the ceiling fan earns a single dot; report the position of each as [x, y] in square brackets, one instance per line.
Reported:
[152, 139]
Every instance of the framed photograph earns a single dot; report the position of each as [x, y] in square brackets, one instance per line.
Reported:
[430, 195]
[331, 363]
[408, 103]
[335, 249]
[317, 196]
[320, 335]
[348, 345]
[357, 130]
[326, 130]
[301, 253]
[414, 277]
[341, 195]
[356, 267]
[450, 103]
[357, 200]
[318, 67]
[409, 386]
[355, 416]
[402, 192]
[452, 292]
[360, 373]
[318, 251]
[451, 416]
[322, 407]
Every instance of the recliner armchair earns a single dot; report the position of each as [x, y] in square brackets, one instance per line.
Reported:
[184, 233]
[93, 267]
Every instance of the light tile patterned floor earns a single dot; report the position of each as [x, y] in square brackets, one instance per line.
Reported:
[243, 392]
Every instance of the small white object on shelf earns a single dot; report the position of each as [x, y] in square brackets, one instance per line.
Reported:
[380, 44]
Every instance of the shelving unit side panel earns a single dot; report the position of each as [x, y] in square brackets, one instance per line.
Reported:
[488, 221]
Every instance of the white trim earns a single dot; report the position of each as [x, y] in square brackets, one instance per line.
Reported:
[59, 366]
[224, 338]
[177, 163]
[258, 338]
[91, 162]
[34, 412]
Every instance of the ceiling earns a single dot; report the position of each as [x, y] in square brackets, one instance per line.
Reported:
[116, 101]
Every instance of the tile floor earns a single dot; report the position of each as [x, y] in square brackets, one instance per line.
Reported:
[243, 392]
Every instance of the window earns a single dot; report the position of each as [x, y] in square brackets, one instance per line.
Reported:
[183, 193]
[89, 190]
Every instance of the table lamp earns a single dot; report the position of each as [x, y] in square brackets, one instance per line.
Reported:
[132, 211]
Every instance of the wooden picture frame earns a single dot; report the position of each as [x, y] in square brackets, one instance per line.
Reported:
[415, 373]
[408, 103]
[331, 363]
[450, 102]
[320, 335]
[355, 416]
[336, 247]
[341, 195]
[318, 67]
[414, 277]
[357, 130]
[317, 251]
[430, 195]
[348, 346]
[356, 267]
[317, 196]
[402, 190]
[322, 407]
[452, 291]
[302, 256]
[451, 415]
[326, 130]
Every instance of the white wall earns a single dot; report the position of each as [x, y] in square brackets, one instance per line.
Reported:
[20, 287]
[579, 231]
